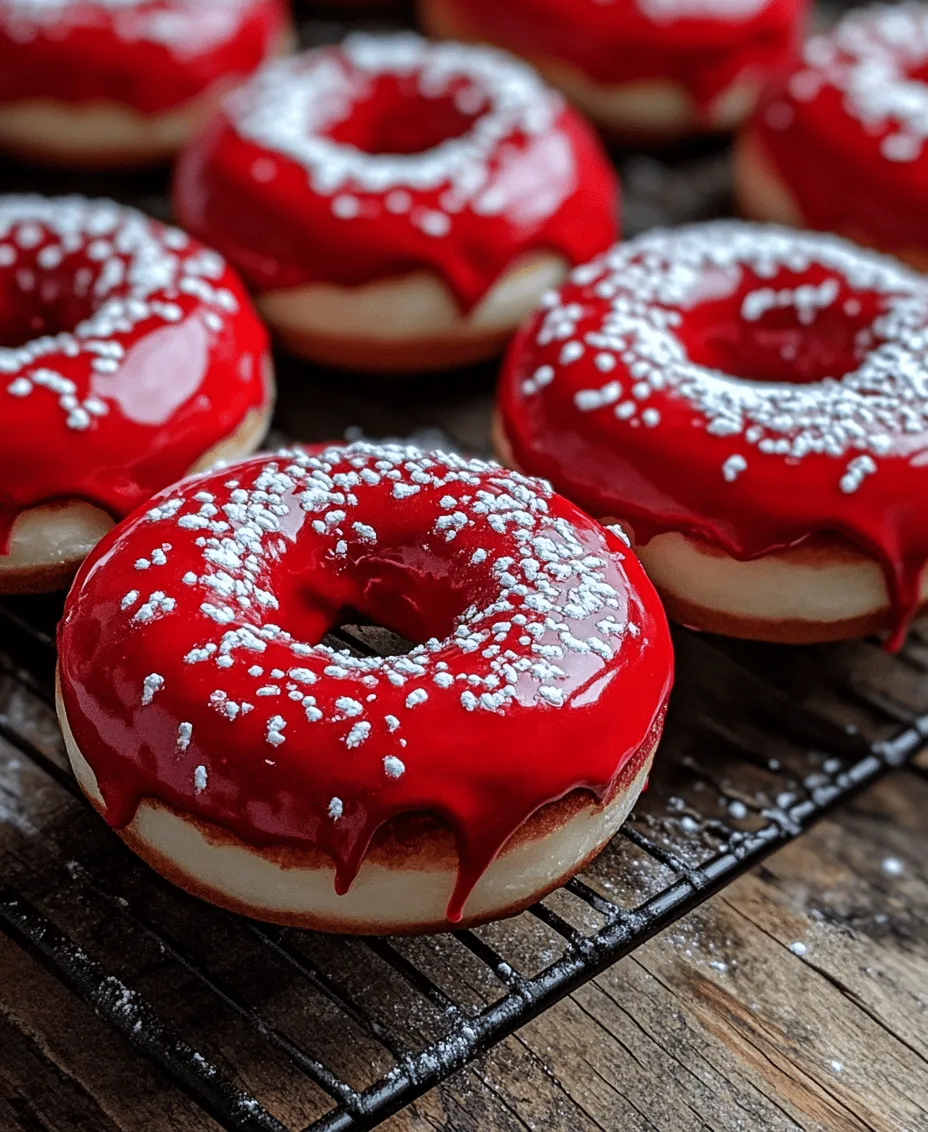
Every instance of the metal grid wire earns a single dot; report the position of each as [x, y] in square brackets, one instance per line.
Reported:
[747, 764]
[273, 1029]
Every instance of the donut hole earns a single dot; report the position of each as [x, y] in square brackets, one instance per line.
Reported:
[32, 307]
[364, 637]
[384, 603]
[398, 117]
[45, 293]
[791, 329]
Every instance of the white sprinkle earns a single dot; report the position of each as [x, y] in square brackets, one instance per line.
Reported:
[346, 207]
[553, 696]
[404, 490]
[393, 766]
[358, 734]
[434, 223]
[150, 686]
[199, 780]
[733, 467]
[364, 532]
[348, 706]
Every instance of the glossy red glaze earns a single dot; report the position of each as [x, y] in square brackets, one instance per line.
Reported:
[152, 55]
[389, 155]
[745, 385]
[705, 45]
[141, 353]
[545, 661]
[846, 129]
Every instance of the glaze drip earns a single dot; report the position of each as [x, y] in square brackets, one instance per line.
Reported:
[858, 99]
[148, 355]
[543, 666]
[293, 183]
[746, 385]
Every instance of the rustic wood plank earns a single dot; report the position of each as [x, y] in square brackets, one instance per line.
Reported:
[718, 1024]
[64, 1070]
[39, 1092]
[721, 1053]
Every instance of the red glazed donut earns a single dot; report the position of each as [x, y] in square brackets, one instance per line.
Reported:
[398, 204]
[143, 359]
[101, 83]
[753, 402]
[643, 69]
[275, 776]
[839, 144]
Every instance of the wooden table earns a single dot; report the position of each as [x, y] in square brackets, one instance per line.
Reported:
[795, 999]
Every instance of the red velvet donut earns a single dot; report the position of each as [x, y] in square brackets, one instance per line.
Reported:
[754, 402]
[142, 358]
[264, 770]
[104, 82]
[381, 196]
[839, 143]
[640, 67]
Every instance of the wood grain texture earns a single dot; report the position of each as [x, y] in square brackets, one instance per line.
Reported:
[797, 999]
[719, 1025]
[63, 1070]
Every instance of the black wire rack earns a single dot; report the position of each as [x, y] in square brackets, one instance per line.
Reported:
[278, 1030]
[761, 741]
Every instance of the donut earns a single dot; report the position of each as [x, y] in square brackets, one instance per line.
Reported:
[395, 204]
[644, 70]
[838, 143]
[105, 83]
[141, 360]
[752, 403]
[261, 769]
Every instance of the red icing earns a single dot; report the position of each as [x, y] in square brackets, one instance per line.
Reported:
[154, 55]
[488, 568]
[704, 46]
[348, 165]
[845, 130]
[142, 352]
[629, 393]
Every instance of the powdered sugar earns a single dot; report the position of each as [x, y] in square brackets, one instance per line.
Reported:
[142, 273]
[874, 58]
[292, 105]
[646, 283]
[548, 614]
[186, 27]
